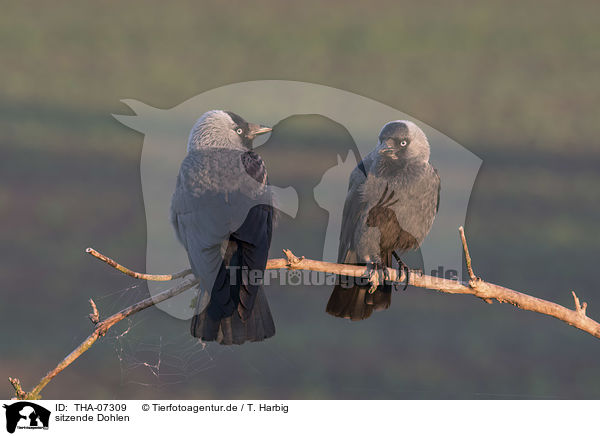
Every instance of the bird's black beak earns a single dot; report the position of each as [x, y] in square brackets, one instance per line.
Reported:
[388, 146]
[257, 129]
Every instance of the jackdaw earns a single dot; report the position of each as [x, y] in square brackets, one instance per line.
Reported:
[393, 197]
[223, 215]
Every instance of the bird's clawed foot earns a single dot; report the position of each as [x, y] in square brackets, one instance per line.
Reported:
[401, 266]
[375, 270]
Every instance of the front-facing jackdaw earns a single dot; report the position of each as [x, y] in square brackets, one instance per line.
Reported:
[222, 212]
[393, 197]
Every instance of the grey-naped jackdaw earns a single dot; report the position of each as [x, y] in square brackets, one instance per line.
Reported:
[222, 214]
[393, 197]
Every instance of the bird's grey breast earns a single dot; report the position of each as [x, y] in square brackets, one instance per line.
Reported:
[409, 190]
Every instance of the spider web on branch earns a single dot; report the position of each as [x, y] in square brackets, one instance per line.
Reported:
[152, 350]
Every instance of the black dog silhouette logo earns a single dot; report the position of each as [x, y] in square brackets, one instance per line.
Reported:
[26, 415]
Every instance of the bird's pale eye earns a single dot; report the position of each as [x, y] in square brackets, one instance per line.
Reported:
[239, 131]
[403, 143]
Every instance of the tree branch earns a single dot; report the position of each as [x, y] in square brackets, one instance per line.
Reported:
[137, 275]
[463, 238]
[16, 384]
[100, 330]
[476, 286]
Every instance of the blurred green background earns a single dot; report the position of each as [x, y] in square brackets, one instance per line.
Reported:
[514, 82]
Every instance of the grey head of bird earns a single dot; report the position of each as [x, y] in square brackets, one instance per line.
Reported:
[403, 140]
[224, 129]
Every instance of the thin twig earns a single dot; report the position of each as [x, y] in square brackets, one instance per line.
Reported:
[137, 275]
[579, 308]
[19, 393]
[94, 316]
[476, 286]
[472, 275]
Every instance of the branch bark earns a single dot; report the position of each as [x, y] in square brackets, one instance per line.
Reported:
[476, 286]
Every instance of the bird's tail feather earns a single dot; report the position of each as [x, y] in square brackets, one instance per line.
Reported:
[231, 329]
[356, 303]
[351, 298]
